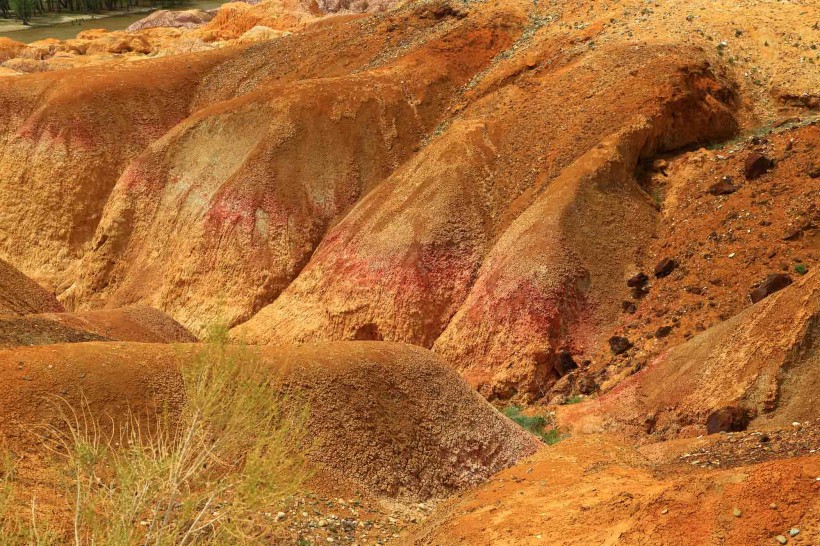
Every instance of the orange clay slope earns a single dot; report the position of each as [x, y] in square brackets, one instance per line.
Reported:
[598, 490]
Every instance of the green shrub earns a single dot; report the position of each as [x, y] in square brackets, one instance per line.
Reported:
[573, 400]
[538, 425]
[802, 269]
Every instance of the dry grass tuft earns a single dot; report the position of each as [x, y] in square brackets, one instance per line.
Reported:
[211, 475]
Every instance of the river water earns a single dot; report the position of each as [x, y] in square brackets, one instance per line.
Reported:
[65, 31]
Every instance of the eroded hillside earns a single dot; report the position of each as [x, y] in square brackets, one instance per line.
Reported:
[549, 202]
[414, 169]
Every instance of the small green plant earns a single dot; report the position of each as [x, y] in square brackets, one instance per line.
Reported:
[574, 400]
[657, 200]
[802, 269]
[539, 425]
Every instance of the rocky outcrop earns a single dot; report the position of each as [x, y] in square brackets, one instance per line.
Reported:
[360, 6]
[191, 18]
[223, 212]
[236, 18]
[482, 248]
[10, 48]
[761, 366]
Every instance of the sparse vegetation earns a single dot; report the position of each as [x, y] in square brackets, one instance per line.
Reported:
[657, 200]
[541, 426]
[18, 524]
[210, 475]
[801, 269]
[576, 399]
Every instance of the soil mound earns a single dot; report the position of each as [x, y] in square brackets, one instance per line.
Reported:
[137, 324]
[20, 295]
[387, 416]
[33, 330]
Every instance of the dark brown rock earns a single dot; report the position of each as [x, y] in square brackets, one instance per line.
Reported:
[757, 165]
[619, 345]
[814, 171]
[770, 285]
[565, 363]
[786, 121]
[639, 292]
[724, 187]
[663, 331]
[794, 234]
[637, 280]
[728, 419]
[665, 267]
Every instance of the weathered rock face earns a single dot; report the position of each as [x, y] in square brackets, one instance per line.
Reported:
[61, 152]
[763, 365]
[191, 18]
[222, 213]
[483, 248]
[392, 418]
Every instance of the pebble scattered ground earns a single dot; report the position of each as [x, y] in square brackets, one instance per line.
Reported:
[743, 448]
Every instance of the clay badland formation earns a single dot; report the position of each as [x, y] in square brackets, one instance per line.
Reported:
[602, 214]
